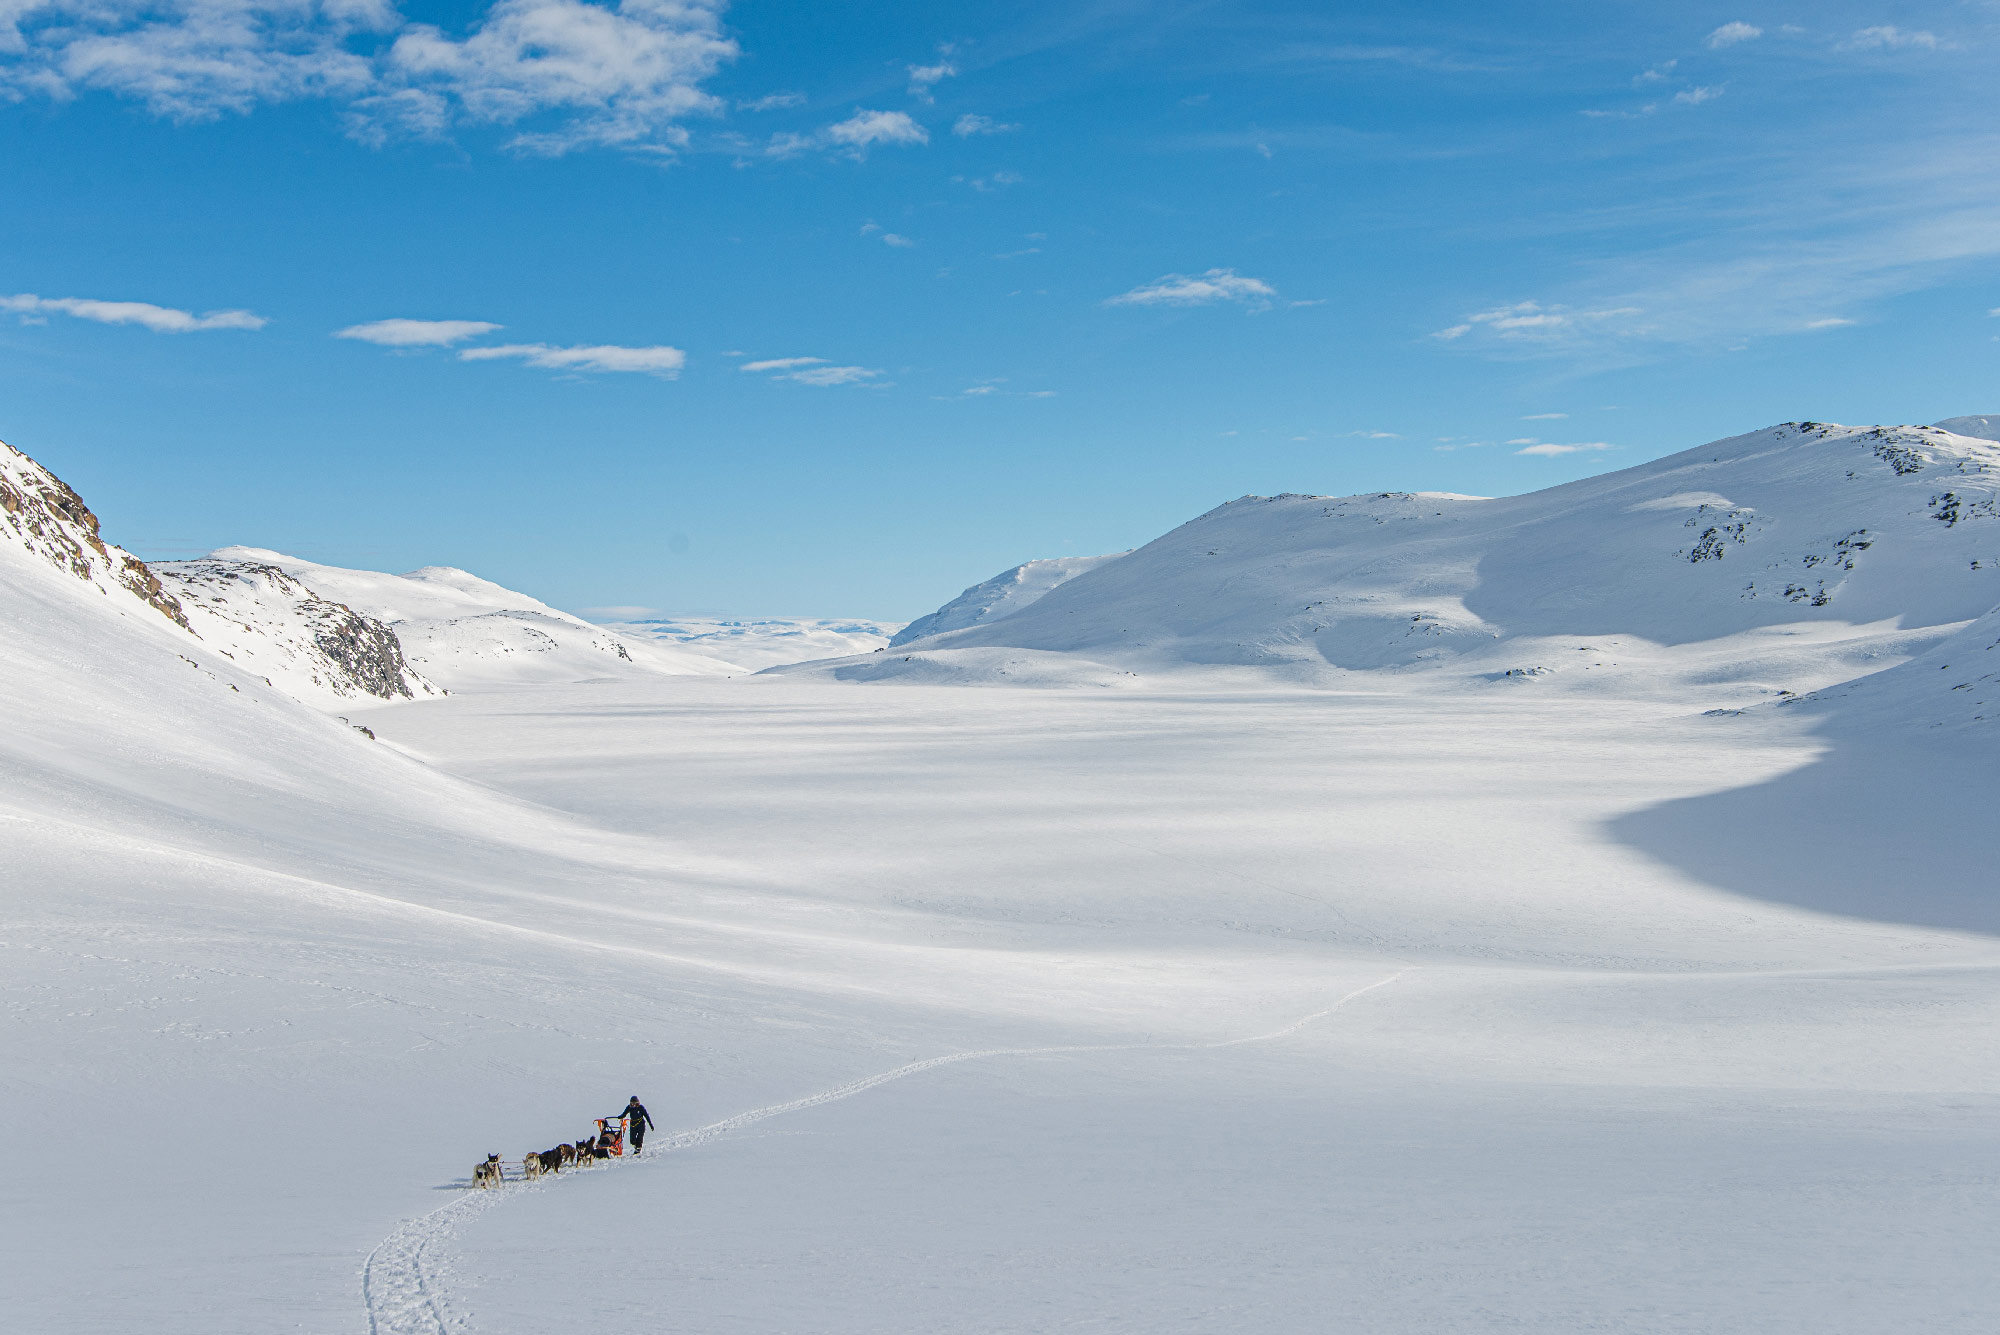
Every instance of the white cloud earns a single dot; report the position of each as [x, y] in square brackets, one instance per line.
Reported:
[811, 371]
[1694, 97]
[417, 333]
[623, 77]
[1729, 34]
[1657, 74]
[659, 361]
[865, 129]
[1890, 37]
[1546, 450]
[1545, 417]
[1829, 322]
[1994, 311]
[773, 102]
[971, 124]
[923, 78]
[188, 59]
[622, 73]
[159, 319]
[1205, 289]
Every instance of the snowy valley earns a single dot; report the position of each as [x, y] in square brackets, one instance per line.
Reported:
[1407, 912]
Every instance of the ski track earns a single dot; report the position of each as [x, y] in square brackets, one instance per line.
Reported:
[403, 1288]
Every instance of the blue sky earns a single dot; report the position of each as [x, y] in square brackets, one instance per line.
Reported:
[819, 309]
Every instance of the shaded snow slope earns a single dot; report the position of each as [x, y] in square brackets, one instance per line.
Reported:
[464, 632]
[1003, 595]
[752, 644]
[271, 625]
[1869, 543]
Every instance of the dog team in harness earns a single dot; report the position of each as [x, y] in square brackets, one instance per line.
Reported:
[609, 1143]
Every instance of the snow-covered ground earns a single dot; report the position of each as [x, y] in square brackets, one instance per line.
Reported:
[755, 643]
[1434, 1000]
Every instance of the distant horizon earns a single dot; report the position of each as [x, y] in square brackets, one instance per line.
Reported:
[731, 306]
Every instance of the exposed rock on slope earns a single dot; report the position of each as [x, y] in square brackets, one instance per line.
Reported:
[1871, 543]
[1003, 595]
[48, 520]
[272, 624]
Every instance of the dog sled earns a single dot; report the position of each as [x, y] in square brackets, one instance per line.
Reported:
[610, 1138]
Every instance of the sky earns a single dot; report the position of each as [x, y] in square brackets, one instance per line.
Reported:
[816, 309]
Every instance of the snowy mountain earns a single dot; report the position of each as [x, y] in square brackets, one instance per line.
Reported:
[1775, 562]
[464, 632]
[1003, 595]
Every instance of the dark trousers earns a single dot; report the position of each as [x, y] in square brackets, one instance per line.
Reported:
[636, 1132]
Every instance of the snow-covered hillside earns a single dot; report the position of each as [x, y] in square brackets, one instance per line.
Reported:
[1796, 557]
[270, 624]
[1003, 595]
[464, 632]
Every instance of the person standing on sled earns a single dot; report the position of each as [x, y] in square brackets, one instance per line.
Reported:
[637, 1120]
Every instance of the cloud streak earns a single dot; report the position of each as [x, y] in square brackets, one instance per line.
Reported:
[159, 319]
[661, 361]
[401, 333]
[815, 371]
[1214, 287]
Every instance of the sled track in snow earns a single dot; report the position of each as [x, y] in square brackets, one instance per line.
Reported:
[405, 1293]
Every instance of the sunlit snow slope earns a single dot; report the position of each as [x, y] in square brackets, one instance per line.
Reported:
[1493, 1006]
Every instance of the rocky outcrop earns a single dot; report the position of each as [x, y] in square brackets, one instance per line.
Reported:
[51, 521]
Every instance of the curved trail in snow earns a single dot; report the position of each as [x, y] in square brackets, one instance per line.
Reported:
[405, 1293]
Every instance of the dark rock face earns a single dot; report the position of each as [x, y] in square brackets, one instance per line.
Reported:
[363, 647]
[50, 519]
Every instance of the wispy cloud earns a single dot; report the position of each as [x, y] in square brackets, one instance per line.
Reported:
[1204, 289]
[1531, 321]
[1730, 34]
[970, 124]
[660, 361]
[923, 78]
[773, 102]
[1548, 450]
[416, 333]
[1829, 322]
[159, 319]
[1545, 417]
[817, 371]
[1659, 73]
[999, 180]
[1694, 97]
[1888, 37]
[888, 238]
[853, 136]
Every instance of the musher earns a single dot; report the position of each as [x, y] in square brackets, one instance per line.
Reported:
[637, 1120]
